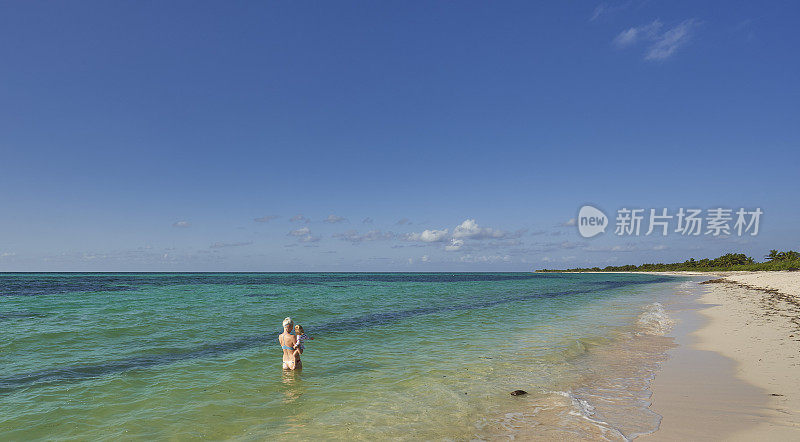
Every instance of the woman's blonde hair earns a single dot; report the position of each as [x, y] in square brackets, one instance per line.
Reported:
[298, 328]
[288, 322]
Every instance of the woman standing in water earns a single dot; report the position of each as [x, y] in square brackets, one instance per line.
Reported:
[288, 340]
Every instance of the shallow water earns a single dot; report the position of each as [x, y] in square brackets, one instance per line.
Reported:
[434, 356]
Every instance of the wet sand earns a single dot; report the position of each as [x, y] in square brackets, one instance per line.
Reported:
[733, 375]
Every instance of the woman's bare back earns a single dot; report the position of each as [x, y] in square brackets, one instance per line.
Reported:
[290, 361]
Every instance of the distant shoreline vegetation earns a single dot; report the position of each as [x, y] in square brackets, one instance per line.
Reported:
[775, 260]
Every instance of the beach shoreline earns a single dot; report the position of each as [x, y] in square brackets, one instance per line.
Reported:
[733, 374]
[663, 358]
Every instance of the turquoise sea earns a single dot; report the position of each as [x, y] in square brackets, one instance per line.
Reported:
[395, 355]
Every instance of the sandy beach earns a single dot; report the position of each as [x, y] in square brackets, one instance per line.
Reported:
[734, 373]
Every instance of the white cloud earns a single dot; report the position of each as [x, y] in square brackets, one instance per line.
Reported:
[140, 256]
[626, 37]
[403, 221]
[265, 219]
[428, 236]
[181, 224]
[220, 245]
[485, 258]
[355, 237]
[470, 229]
[455, 244]
[662, 44]
[631, 36]
[467, 236]
[303, 234]
[669, 42]
[300, 232]
[367, 220]
[629, 247]
[503, 243]
[598, 11]
[299, 219]
[604, 9]
[333, 219]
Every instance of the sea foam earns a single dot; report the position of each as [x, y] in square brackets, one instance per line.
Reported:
[655, 320]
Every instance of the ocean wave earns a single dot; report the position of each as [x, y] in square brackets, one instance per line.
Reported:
[582, 409]
[655, 320]
[686, 288]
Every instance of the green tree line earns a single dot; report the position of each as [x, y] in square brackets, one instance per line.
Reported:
[774, 260]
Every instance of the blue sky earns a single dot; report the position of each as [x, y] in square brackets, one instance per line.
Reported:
[298, 136]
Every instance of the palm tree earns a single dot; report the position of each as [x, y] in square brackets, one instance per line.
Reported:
[773, 255]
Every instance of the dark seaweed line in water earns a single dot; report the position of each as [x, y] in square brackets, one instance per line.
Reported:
[83, 372]
[13, 315]
[58, 284]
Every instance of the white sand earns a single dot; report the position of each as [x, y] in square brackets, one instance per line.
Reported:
[738, 377]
